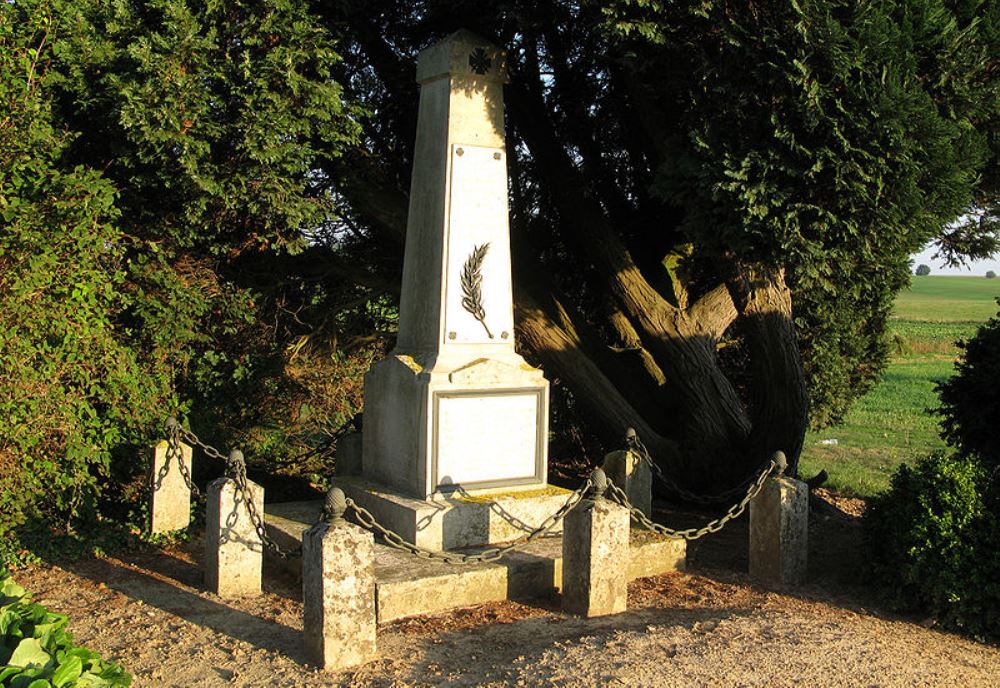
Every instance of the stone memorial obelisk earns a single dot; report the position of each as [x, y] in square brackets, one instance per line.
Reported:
[455, 421]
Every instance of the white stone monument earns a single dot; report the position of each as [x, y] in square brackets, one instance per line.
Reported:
[456, 422]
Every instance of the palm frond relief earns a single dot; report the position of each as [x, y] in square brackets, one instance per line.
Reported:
[472, 285]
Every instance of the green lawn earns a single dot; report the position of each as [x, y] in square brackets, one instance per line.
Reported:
[940, 299]
[895, 422]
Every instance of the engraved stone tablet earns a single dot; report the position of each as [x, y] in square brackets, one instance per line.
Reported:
[478, 212]
[487, 438]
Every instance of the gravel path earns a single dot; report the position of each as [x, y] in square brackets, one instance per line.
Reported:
[707, 628]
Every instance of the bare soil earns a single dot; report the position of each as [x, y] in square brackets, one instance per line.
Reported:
[708, 627]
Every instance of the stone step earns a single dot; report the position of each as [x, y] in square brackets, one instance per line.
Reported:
[407, 585]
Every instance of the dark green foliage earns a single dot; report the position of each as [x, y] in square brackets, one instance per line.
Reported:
[934, 537]
[156, 176]
[934, 543]
[37, 652]
[970, 399]
[990, 274]
[73, 387]
[922, 270]
[828, 149]
[197, 219]
[831, 138]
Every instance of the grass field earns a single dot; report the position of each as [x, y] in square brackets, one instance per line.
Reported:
[895, 422]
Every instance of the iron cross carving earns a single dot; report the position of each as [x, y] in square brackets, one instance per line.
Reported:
[480, 61]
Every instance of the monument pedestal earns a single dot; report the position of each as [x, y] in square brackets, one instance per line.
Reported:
[455, 433]
[465, 424]
[459, 519]
[455, 456]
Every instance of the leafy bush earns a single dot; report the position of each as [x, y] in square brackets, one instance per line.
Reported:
[73, 388]
[934, 544]
[922, 270]
[970, 400]
[142, 226]
[37, 652]
[990, 274]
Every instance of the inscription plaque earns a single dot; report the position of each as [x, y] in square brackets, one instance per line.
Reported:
[485, 439]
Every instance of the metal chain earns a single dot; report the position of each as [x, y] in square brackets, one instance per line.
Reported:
[174, 451]
[714, 526]
[192, 438]
[236, 470]
[367, 520]
[633, 442]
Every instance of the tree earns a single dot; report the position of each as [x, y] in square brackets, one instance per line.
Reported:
[712, 204]
[970, 399]
[990, 274]
[72, 388]
[157, 183]
[922, 270]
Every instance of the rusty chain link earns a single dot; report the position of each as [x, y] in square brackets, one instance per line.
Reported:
[175, 452]
[236, 470]
[633, 442]
[618, 495]
[394, 540]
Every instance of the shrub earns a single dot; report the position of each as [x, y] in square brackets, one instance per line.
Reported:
[934, 545]
[970, 400]
[922, 270]
[990, 274]
[37, 652]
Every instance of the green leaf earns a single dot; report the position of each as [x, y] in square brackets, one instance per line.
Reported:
[68, 672]
[29, 652]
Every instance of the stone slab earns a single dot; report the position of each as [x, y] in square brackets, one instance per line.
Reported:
[408, 586]
[461, 519]
[628, 471]
[233, 550]
[595, 559]
[338, 593]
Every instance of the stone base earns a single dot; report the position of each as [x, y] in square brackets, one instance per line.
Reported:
[460, 519]
[408, 586]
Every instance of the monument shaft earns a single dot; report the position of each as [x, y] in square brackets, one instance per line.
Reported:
[454, 407]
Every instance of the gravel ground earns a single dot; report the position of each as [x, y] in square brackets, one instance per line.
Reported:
[709, 627]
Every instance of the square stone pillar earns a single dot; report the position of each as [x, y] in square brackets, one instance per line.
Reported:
[233, 550]
[779, 532]
[170, 507]
[595, 558]
[629, 472]
[338, 594]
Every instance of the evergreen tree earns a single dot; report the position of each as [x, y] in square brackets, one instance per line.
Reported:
[713, 203]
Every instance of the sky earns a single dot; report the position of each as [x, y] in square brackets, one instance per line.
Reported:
[977, 268]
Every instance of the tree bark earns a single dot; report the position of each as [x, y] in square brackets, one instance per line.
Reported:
[779, 404]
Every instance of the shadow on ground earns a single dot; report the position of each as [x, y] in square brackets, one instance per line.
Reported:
[173, 583]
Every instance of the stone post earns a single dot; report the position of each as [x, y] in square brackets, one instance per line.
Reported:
[338, 590]
[233, 549]
[595, 555]
[627, 470]
[779, 531]
[170, 507]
